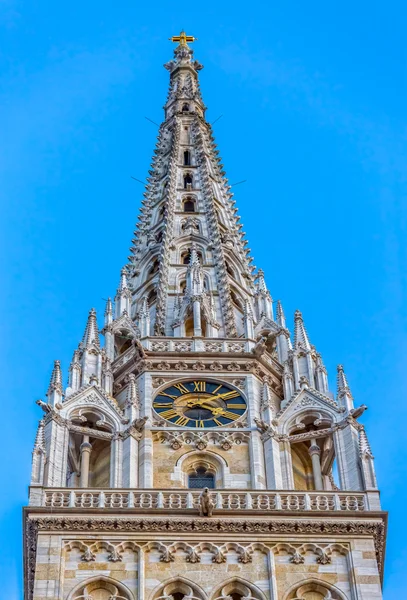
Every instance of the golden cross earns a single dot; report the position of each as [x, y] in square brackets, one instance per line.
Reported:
[182, 38]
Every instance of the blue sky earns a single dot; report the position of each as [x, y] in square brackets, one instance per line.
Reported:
[313, 98]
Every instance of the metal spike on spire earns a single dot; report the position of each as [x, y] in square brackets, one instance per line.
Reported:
[300, 333]
[91, 334]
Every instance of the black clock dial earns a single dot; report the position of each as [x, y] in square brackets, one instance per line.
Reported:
[200, 403]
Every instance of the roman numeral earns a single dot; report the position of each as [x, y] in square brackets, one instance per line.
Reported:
[161, 404]
[199, 424]
[218, 422]
[181, 388]
[199, 386]
[230, 395]
[168, 396]
[229, 415]
[231, 405]
[181, 421]
[168, 414]
[217, 389]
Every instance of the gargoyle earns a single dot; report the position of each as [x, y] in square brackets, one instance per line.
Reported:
[357, 412]
[139, 424]
[206, 505]
[45, 407]
[260, 347]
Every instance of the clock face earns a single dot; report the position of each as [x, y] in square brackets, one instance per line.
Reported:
[200, 404]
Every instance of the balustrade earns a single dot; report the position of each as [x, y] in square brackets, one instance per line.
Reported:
[186, 500]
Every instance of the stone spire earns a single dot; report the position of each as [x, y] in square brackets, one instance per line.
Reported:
[300, 334]
[344, 395]
[55, 390]
[123, 296]
[89, 352]
[91, 334]
[38, 456]
[280, 316]
[187, 199]
[108, 312]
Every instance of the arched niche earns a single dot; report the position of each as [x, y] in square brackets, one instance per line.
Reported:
[180, 589]
[100, 588]
[191, 463]
[238, 589]
[313, 589]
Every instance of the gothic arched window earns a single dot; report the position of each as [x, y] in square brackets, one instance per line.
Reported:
[188, 180]
[187, 158]
[189, 205]
[201, 478]
[152, 297]
[185, 108]
[154, 267]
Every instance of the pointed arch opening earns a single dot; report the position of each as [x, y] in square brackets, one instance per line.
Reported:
[185, 107]
[314, 590]
[187, 158]
[189, 205]
[188, 181]
[238, 589]
[179, 588]
[101, 588]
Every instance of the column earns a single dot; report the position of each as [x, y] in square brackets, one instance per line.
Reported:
[314, 453]
[287, 466]
[197, 317]
[273, 464]
[86, 449]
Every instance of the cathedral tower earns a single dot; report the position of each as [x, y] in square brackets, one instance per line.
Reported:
[198, 452]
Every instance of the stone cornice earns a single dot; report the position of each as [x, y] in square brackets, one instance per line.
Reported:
[373, 525]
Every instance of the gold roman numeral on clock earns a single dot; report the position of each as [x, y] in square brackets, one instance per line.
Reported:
[161, 404]
[199, 386]
[199, 424]
[168, 396]
[230, 395]
[231, 405]
[168, 414]
[181, 421]
[181, 388]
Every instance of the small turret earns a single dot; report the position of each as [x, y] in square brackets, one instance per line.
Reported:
[55, 391]
[91, 335]
[344, 395]
[123, 296]
[280, 316]
[264, 300]
[108, 312]
[38, 456]
[303, 360]
[90, 352]
[283, 336]
[321, 375]
[144, 316]
[248, 320]
[300, 333]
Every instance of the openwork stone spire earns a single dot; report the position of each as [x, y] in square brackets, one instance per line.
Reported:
[187, 202]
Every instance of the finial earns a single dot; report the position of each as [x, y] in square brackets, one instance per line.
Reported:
[280, 314]
[300, 333]
[56, 378]
[91, 334]
[183, 38]
[342, 382]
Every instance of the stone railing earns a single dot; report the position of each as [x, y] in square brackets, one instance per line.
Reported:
[185, 500]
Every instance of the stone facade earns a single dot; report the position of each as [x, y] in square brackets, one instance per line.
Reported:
[199, 384]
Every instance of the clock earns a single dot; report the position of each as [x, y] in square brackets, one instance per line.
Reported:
[200, 403]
